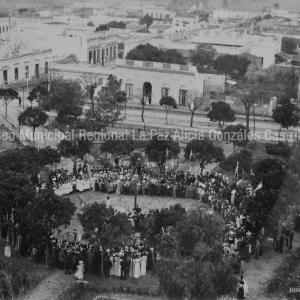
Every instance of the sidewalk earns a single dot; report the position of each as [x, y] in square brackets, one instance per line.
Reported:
[53, 287]
[185, 110]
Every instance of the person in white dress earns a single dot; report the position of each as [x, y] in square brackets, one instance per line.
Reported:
[80, 271]
[111, 271]
[137, 267]
[143, 264]
[116, 265]
[108, 201]
[7, 249]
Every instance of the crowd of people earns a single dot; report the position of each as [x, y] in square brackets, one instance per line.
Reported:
[80, 258]
[128, 181]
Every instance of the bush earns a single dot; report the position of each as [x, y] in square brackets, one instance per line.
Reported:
[285, 275]
[14, 284]
[252, 145]
[281, 149]
[69, 59]
[244, 157]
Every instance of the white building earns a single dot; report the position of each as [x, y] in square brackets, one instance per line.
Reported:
[151, 79]
[159, 13]
[4, 25]
[227, 13]
[235, 43]
[17, 67]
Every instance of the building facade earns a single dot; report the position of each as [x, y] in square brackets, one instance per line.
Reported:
[152, 80]
[19, 67]
[4, 25]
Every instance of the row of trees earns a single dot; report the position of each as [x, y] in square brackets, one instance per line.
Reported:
[112, 24]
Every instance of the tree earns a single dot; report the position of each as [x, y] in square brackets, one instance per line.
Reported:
[90, 83]
[141, 97]
[202, 57]
[249, 98]
[158, 220]
[108, 226]
[7, 95]
[256, 74]
[160, 148]
[44, 214]
[38, 93]
[16, 190]
[148, 52]
[243, 157]
[32, 117]
[63, 93]
[289, 45]
[204, 150]
[69, 115]
[168, 104]
[271, 172]
[91, 23]
[194, 102]
[28, 160]
[116, 24]
[222, 113]
[276, 6]
[192, 261]
[148, 20]
[118, 146]
[102, 27]
[74, 149]
[111, 99]
[286, 114]
[235, 66]
[237, 135]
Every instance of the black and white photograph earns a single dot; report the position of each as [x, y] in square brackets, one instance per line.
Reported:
[149, 149]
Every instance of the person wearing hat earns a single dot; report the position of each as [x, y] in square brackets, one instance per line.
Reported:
[242, 288]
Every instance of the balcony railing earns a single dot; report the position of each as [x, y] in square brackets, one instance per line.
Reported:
[129, 62]
[148, 64]
[155, 65]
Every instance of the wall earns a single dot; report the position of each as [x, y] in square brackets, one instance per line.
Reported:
[4, 25]
[20, 61]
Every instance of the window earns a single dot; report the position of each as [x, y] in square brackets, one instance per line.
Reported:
[0, 29]
[26, 72]
[5, 76]
[165, 92]
[46, 67]
[110, 52]
[16, 74]
[37, 70]
[115, 51]
[129, 90]
[182, 97]
[6, 28]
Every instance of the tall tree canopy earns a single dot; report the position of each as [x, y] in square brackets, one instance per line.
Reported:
[32, 117]
[222, 113]
[203, 57]
[38, 93]
[7, 95]
[43, 214]
[148, 20]
[112, 24]
[168, 103]
[161, 148]
[118, 146]
[192, 262]
[204, 150]
[147, 52]
[63, 93]
[286, 114]
[233, 65]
